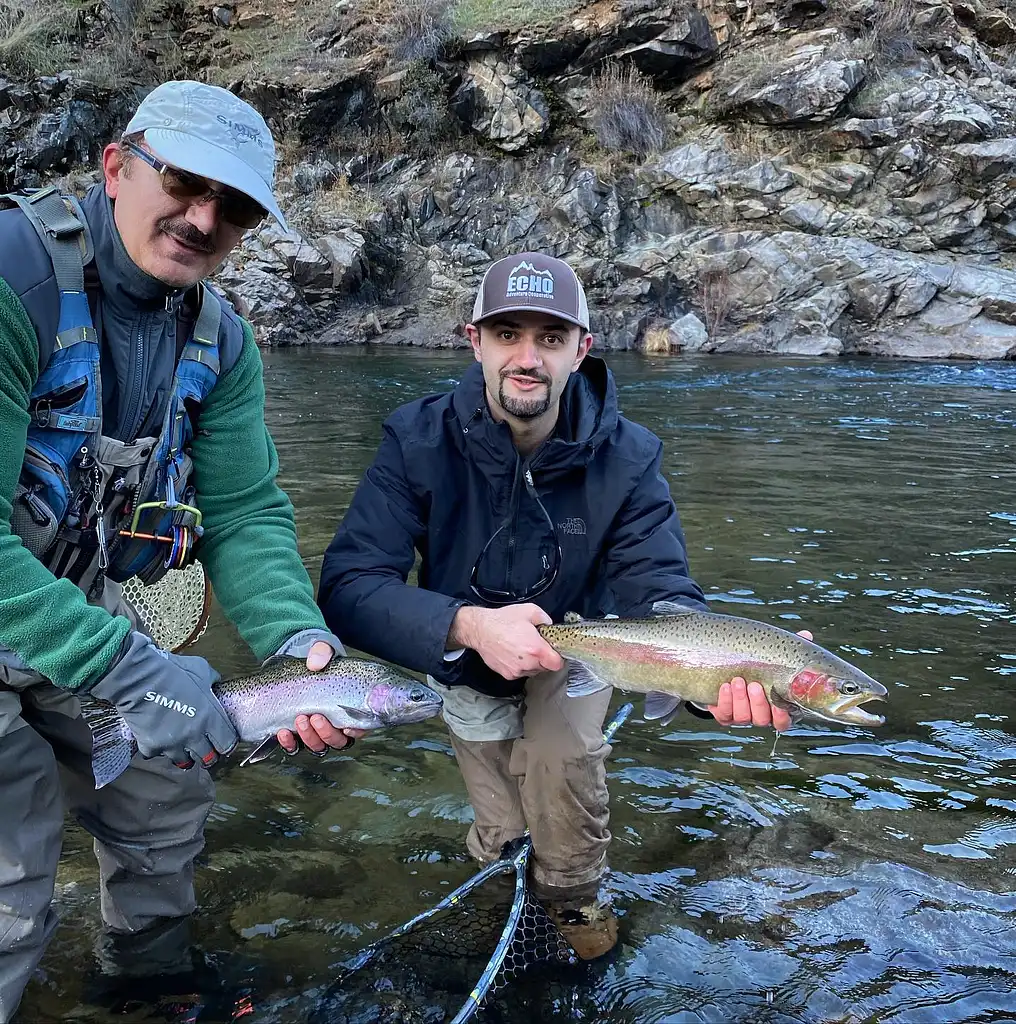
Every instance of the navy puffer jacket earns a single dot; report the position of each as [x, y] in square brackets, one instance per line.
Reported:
[445, 478]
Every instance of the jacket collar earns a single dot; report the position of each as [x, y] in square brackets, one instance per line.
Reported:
[587, 418]
[124, 284]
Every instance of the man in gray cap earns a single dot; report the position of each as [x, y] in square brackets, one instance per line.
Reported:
[527, 495]
[131, 410]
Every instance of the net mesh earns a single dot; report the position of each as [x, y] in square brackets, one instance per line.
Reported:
[427, 973]
[175, 609]
[449, 964]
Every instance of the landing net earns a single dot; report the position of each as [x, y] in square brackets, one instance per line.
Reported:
[488, 950]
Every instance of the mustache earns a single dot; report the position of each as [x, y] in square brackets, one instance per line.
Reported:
[186, 233]
[531, 374]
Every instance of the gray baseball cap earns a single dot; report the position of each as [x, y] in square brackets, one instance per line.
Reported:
[208, 131]
[534, 283]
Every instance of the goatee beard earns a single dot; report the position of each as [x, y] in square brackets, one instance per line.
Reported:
[524, 408]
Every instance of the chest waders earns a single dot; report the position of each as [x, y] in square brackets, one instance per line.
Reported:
[91, 507]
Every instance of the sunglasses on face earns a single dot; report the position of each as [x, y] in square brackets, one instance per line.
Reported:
[234, 207]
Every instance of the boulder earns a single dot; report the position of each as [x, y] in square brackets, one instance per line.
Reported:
[501, 104]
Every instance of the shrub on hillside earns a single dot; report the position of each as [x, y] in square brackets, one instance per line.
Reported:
[628, 115]
[410, 30]
[421, 115]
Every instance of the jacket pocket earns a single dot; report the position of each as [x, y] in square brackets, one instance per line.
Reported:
[40, 501]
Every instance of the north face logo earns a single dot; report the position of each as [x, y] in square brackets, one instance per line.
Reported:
[576, 527]
[525, 279]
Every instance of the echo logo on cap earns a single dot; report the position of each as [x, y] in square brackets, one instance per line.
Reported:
[525, 280]
[239, 131]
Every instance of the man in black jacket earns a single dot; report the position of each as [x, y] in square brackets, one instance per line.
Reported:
[527, 495]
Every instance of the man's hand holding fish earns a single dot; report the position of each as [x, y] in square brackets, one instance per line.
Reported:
[315, 731]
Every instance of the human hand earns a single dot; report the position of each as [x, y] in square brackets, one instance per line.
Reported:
[168, 702]
[316, 732]
[506, 638]
[743, 703]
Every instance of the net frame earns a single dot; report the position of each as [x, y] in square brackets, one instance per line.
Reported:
[514, 860]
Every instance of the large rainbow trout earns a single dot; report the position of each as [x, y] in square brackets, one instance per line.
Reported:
[686, 655]
[350, 692]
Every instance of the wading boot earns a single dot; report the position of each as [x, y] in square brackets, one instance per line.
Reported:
[590, 928]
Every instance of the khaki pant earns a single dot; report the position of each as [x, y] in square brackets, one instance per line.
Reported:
[537, 762]
[147, 825]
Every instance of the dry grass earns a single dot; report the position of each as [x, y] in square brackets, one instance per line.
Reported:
[714, 297]
[740, 75]
[277, 49]
[755, 142]
[888, 38]
[344, 201]
[469, 16]
[35, 36]
[656, 341]
[410, 30]
[869, 99]
[39, 38]
[263, 52]
[628, 115]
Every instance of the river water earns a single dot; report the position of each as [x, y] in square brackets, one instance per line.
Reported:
[847, 875]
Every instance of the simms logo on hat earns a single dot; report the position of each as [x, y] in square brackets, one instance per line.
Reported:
[534, 283]
[207, 130]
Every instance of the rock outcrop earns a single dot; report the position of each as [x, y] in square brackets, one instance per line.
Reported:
[819, 177]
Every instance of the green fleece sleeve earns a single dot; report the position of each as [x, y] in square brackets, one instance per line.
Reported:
[249, 546]
[45, 620]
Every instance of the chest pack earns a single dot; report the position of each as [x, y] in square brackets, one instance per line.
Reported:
[89, 506]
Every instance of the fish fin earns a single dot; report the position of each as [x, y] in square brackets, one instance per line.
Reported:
[664, 608]
[795, 711]
[263, 750]
[279, 659]
[571, 618]
[113, 743]
[582, 681]
[660, 705]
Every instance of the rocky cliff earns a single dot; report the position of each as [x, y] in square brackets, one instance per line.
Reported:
[769, 176]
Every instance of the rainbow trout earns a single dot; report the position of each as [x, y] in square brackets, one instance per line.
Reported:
[686, 655]
[350, 693]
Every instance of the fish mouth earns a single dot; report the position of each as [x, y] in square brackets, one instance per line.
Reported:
[852, 712]
[419, 712]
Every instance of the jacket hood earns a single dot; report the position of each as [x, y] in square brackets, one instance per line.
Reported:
[588, 416]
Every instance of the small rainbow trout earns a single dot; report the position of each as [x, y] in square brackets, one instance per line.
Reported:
[686, 655]
[350, 692]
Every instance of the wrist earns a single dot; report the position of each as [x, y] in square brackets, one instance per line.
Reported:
[462, 632]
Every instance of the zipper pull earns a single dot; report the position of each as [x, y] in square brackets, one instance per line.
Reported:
[37, 508]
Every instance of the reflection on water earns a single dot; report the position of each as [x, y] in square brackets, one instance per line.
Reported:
[846, 875]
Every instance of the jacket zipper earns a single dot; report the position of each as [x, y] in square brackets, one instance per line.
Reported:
[128, 426]
[520, 467]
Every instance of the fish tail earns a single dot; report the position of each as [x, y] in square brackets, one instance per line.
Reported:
[113, 743]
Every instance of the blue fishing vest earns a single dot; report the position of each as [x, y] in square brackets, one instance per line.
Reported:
[82, 499]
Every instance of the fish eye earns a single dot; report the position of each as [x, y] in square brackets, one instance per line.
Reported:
[416, 696]
[849, 687]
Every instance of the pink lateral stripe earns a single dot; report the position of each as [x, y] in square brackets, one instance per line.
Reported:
[652, 654]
